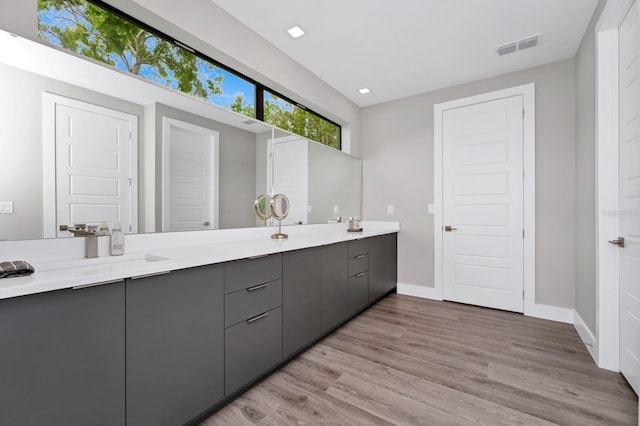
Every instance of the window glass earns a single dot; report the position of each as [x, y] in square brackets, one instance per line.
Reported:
[103, 35]
[291, 117]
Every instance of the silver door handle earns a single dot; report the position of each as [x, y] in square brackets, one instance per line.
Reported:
[619, 242]
[449, 228]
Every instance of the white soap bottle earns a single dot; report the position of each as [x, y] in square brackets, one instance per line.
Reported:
[116, 246]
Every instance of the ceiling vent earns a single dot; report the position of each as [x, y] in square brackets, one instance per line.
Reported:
[507, 48]
[525, 43]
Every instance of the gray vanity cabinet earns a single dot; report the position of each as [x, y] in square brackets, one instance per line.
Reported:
[301, 298]
[253, 319]
[62, 357]
[383, 269]
[335, 306]
[175, 352]
[358, 283]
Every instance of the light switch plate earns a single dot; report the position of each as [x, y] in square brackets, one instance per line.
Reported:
[431, 208]
[6, 207]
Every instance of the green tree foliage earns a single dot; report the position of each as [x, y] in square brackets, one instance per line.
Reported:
[299, 121]
[237, 106]
[87, 29]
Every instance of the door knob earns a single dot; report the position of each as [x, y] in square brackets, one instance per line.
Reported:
[449, 228]
[206, 223]
[619, 242]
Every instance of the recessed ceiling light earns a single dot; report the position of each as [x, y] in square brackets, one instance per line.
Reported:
[295, 32]
[364, 91]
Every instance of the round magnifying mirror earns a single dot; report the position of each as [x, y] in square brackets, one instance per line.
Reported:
[262, 207]
[279, 206]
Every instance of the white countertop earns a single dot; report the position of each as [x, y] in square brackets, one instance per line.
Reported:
[148, 254]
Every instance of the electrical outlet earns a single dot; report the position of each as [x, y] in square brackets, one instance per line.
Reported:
[390, 209]
[309, 208]
[431, 208]
[6, 207]
[336, 209]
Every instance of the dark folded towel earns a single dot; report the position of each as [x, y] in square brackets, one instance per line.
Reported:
[17, 268]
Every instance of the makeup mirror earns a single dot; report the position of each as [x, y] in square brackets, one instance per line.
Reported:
[279, 210]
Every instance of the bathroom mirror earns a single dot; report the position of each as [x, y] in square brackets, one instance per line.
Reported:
[262, 207]
[279, 210]
[36, 80]
[279, 206]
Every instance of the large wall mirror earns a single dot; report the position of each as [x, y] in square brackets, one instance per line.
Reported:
[83, 143]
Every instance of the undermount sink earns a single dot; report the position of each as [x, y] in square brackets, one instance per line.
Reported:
[86, 267]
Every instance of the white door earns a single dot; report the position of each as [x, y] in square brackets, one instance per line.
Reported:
[289, 176]
[482, 192]
[95, 165]
[629, 163]
[190, 177]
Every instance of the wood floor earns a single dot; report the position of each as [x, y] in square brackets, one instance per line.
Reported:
[412, 361]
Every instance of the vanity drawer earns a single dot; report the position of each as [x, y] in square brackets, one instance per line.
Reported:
[252, 301]
[242, 274]
[358, 247]
[358, 292]
[358, 264]
[251, 348]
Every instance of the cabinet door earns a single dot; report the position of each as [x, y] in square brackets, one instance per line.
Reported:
[382, 265]
[335, 306]
[251, 348]
[63, 357]
[301, 298]
[175, 345]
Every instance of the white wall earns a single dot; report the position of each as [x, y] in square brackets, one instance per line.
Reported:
[397, 158]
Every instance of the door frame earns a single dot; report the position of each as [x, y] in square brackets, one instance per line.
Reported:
[49, 102]
[607, 351]
[527, 91]
[167, 123]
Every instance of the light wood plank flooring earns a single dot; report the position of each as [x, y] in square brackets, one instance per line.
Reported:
[414, 361]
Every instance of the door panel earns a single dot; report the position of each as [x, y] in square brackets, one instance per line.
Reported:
[630, 198]
[483, 201]
[290, 164]
[190, 177]
[94, 167]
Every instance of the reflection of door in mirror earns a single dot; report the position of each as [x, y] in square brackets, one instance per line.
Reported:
[90, 166]
[287, 173]
[190, 177]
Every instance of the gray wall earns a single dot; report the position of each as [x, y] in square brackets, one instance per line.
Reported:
[585, 225]
[338, 184]
[398, 169]
[21, 178]
[237, 173]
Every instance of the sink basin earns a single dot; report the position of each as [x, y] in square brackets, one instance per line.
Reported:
[87, 267]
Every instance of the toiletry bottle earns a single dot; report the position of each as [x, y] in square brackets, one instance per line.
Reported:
[116, 245]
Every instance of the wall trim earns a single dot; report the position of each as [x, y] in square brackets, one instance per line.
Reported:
[547, 312]
[588, 338]
[418, 291]
[607, 225]
[527, 91]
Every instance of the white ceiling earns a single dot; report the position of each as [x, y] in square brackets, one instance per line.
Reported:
[405, 47]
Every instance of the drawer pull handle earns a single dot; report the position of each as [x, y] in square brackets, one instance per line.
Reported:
[256, 318]
[360, 274]
[360, 256]
[258, 287]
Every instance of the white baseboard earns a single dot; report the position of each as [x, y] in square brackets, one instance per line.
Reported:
[418, 291]
[549, 312]
[586, 335]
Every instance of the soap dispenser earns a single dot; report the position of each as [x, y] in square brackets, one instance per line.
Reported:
[116, 246]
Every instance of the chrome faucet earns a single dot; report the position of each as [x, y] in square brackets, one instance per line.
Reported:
[91, 242]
